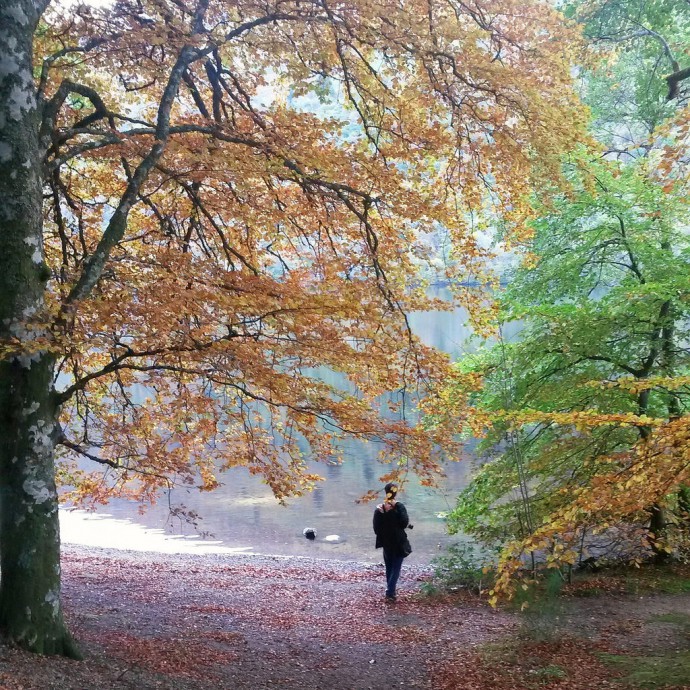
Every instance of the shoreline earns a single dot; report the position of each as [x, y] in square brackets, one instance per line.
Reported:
[234, 559]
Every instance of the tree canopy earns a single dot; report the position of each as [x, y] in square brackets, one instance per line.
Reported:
[264, 239]
[185, 237]
[586, 411]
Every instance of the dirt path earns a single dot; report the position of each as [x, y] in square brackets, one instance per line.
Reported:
[236, 622]
[246, 622]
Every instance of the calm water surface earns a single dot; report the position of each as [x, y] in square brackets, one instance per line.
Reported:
[243, 514]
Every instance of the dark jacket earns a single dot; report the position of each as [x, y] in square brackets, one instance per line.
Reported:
[389, 528]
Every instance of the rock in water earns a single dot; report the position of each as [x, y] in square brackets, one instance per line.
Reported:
[309, 532]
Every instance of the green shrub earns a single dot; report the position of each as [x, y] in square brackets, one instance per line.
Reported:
[462, 566]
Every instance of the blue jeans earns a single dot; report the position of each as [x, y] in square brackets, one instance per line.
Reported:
[393, 564]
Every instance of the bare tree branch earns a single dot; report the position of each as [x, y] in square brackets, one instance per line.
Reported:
[48, 62]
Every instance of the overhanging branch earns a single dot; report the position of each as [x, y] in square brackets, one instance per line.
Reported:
[673, 80]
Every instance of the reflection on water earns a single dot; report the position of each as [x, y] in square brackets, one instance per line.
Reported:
[243, 514]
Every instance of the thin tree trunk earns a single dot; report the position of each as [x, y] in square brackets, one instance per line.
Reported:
[30, 608]
[658, 523]
[684, 502]
[657, 528]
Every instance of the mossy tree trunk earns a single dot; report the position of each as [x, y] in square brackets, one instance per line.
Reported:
[30, 603]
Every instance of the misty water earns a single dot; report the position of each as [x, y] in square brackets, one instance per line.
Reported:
[242, 515]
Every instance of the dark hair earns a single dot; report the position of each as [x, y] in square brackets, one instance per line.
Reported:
[391, 488]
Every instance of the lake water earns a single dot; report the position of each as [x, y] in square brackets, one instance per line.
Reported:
[242, 515]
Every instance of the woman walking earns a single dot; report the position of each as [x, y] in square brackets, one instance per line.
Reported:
[390, 521]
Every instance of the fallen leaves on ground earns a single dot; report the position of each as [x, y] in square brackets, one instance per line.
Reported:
[253, 623]
[566, 664]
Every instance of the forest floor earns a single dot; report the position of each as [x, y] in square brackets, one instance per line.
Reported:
[256, 622]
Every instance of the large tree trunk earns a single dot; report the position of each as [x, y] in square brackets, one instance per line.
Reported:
[30, 608]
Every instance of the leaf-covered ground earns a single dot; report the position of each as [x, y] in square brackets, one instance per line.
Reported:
[236, 622]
